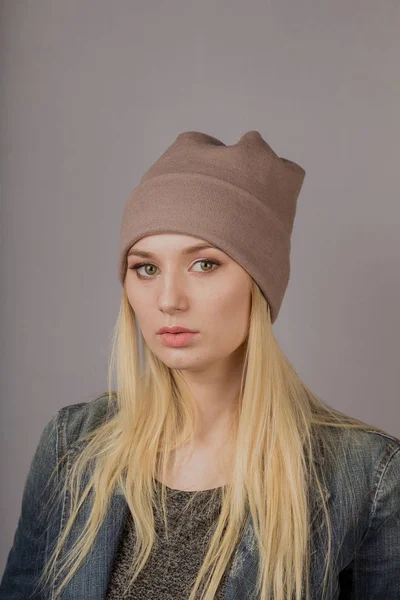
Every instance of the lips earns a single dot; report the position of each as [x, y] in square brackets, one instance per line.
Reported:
[175, 329]
[177, 340]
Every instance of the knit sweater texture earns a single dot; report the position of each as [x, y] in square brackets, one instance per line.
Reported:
[173, 564]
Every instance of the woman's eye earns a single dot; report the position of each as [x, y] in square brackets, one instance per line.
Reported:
[147, 274]
[209, 262]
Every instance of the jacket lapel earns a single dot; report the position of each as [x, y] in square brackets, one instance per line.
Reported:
[91, 580]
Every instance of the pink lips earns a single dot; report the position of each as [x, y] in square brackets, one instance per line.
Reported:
[177, 340]
[175, 329]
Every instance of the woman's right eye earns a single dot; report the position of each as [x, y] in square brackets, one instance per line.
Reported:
[139, 266]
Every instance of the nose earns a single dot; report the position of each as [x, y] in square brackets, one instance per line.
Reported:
[172, 294]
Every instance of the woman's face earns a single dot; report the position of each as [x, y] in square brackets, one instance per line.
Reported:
[203, 290]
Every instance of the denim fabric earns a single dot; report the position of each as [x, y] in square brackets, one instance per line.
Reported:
[366, 550]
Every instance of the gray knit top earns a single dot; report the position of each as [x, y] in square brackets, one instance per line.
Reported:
[174, 564]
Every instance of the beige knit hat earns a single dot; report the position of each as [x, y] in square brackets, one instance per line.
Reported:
[241, 198]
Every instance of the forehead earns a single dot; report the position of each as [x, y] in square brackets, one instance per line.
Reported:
[153, 244]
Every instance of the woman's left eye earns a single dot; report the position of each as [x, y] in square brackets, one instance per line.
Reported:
[208, 260]
[147, 276]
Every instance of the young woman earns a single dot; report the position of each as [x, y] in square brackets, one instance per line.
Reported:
[212, 471]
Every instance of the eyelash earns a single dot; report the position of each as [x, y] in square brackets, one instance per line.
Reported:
[139, 265]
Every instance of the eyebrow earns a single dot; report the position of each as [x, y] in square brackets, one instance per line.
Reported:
[186, 251]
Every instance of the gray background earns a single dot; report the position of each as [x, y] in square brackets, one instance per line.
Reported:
[92, 92]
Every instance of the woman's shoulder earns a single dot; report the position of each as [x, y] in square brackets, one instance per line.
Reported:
[79, 419]
[362, 443]
[367, 458]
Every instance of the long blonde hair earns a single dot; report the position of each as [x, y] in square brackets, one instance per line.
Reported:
[272, 471]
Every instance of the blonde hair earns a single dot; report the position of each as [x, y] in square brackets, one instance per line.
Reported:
[272, 471]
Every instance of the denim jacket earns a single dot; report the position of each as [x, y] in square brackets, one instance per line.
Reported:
[367, 550]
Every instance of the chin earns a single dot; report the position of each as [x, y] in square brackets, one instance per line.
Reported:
[183, 362]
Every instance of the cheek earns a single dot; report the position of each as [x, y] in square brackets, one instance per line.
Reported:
[237, 302]
[231, 315]
[138, 303]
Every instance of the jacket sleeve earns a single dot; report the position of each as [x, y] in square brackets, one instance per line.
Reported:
[374, 572]
[28, 551]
